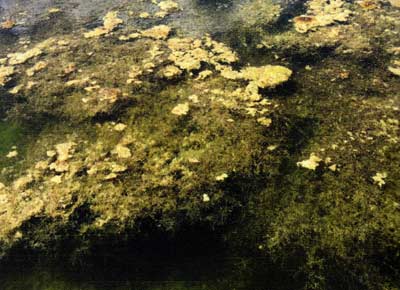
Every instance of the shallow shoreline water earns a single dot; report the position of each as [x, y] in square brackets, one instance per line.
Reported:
[199, 144]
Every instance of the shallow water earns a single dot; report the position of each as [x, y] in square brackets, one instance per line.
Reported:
[267, 157]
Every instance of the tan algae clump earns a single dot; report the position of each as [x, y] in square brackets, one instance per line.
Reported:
[379, 178]
[171, 71]
[267, 76]
[188, 53]
[5, 73]
[111, 21]
[321, 13]
[157, 32]
[395, 3]
[8, 24]
[168, 6]
[22, 57]
[181, 109]
[102, 101]
[395, 68]
[36, 68]
[311, 163]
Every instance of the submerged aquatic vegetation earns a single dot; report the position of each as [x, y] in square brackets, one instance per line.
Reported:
[157, 32]
[321, 13]
[5, 73]
[110, 22]
[296, 144]
[22, 57]
[146, 170]
[311, 163]
[8, 24]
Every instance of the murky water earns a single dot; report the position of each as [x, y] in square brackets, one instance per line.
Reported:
[197, 144]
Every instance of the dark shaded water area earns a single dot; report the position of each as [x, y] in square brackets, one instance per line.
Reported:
[192, 259]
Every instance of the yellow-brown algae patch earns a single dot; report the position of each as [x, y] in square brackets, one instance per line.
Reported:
[228, 73]
[22, 57]
[57, 179]
[206, 197]
[168, 6]
[46, 44]
[321, 13]
[51, 153]
[69, 68]
[190, 60]
[180, 44]
[30, 85]
[368, 4]
[251, 111]
[8, 24]
[305, 22]
[54, 10]
[311, 163]
[170, 71]
[222, 53]
[394, 70]
[22, 182]
[392, 50]
[194, 98]
[154, 51]
[63, 42]
[157, 32]
[118, 168]
[93, 88]
[97, 32]
[59, 166]
[122, 151]
[110, 176]
[160, 14]
[3, 197]
[120, 127]
[37, 67]
[110, 22]
[144, 15]
[42, 165]
[264, 121]
[148, 67]
[267, 76]
[131, 36]
[181, 109]
[64, 150]
[134, 73]
[77, 83]
[103, 100]
[204, 74]
[395, 3]
[333, 167]
[5, 73]
[379, 178]
[12, 154]
[221, 177]
[15, 90]
[193, 160]
[251, 93]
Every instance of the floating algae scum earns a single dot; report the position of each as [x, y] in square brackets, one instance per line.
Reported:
[199, 144]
